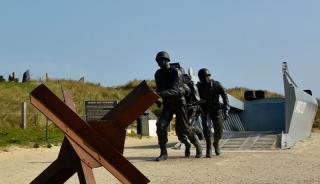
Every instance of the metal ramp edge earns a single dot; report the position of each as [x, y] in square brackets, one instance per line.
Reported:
[250, 141]
[233, 123]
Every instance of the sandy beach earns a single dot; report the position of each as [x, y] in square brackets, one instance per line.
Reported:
[300, 164]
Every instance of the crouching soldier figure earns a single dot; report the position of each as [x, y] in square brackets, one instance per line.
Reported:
[209, 91]
[171, 88]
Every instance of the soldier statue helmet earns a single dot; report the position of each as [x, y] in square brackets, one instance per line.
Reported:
[163, 59]
[162, 55]
[204, 75]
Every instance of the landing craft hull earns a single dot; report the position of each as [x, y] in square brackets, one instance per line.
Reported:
[300, 111]
[277, 122]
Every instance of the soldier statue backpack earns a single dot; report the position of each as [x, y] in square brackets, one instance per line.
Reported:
[193, 101]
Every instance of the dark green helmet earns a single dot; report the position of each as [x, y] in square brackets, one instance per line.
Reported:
[203, 73]
[162, 55]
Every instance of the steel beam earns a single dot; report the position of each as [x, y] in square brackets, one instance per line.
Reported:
[88, 142]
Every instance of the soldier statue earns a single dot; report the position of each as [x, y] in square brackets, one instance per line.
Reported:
[171, 88]
[209, 91]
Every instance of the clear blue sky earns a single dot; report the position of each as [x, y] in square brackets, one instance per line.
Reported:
[242, 42]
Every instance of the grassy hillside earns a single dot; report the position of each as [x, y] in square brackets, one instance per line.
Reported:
[12, 94]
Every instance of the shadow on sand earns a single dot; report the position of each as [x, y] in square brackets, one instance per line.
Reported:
[153, 146]
[153, 159]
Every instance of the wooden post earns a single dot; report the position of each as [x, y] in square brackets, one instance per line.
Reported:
[47, 129]
[23, 115]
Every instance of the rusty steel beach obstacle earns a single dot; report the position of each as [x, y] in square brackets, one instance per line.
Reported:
[88, 145]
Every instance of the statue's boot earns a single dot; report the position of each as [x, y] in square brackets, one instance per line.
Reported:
[209, 147]
[194, 140]
[216, 147]
[184, 140]
[187, 151]
[163, 153]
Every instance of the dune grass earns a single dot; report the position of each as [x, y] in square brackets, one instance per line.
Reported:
[12, 94]
[30, 137]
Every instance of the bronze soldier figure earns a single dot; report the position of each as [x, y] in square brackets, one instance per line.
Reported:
[209, 91]
[171, 88]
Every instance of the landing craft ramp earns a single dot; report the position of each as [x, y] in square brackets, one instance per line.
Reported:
[250, 141]
[272, 123]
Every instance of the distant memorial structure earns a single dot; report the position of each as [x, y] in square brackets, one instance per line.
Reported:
[2, 79]
[26, 76]
[12, 78]
[81, 80]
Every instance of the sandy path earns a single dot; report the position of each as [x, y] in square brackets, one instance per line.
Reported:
[300, 164]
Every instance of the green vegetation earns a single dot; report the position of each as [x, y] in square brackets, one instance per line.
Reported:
[12, 94]
[30, 137]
